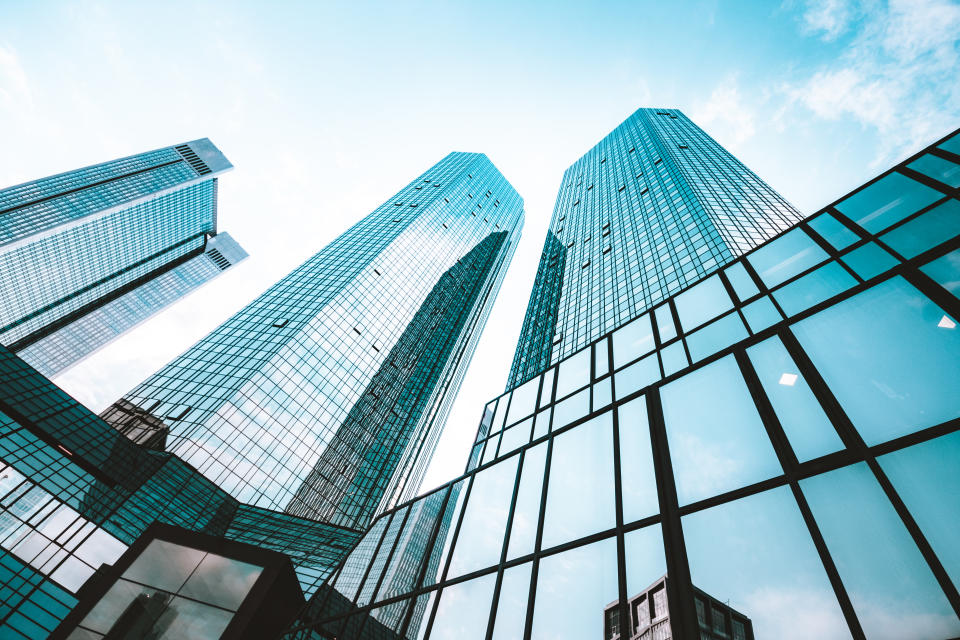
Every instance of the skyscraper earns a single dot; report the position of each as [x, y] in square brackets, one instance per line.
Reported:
[778, 438]
[653, 207]
[324, 397]
[86, 255]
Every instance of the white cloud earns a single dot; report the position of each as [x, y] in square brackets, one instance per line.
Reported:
[14, 88]
[827, 17]
[726, 115]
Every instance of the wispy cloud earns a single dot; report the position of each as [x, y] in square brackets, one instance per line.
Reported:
[827, 18]
[726, 114]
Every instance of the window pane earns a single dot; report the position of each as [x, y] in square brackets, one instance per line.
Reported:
[785, 257]
[889, 583]
[573, 589]
[674, 358]
[761, 314]
[756, 554]
[888, 357]
[547, 390]
[464, 610]
[601, 394]
[869, 260]
[637, 376]
[512, 605]
[221, 581]
[632, 341]
[526, 515]
[810, 433]
[813, 288]
[524, 400]
[542, 423]
[480, 540]
[411, 549]
[743, 285]
[927, 231]
[359, 559]
[665, 323]
[945, 270]
[451, 513]
[501, 414]
[644, 562]
[702, 302]
[574, 372]
[717, 442]
[833, 231]
[380, 560]
[927, 477]
[717, 335]
[580, 498]
[937, 168]
[886, 201]
[636, 462]
[515, 437]
[421, 616]
[573, 408]
[164, 565]
[601, 364]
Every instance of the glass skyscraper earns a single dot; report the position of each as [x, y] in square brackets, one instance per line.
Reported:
[653, 207]
[770, 451]
[88, 254]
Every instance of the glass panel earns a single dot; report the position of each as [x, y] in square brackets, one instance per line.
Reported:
[833, 231]
[112, 605]
[889, 356]
[636, 462]
[945, 270]
[665, 323]
[359, 559]
[889, 583]
[546, 392]
[637, 376]
[870, 260]
[380, 560]
[951, 144]
[937, 168]
[886, 201]
[927, 477]
[480, 540]
[810, 432]
[674, 358]
[221, 581]
[412, 547]
[164, 565]
[445, 534]
[512, 605]
[501, 413]
[421, 615]
[491, 451]
[717, 441]
[813, 288]
[601, 364]
[756, 556]
[524, 400]
[645, 563]
[526, 515]
[927, 231]
[761, 314]
[515, 437]
[716, 336]
[580, 493]
[385, 619]
[632, 341]
[542, 424]
[194, 620]
[464, 610]
[573, 408]
[573, 589]
[601, 394]
[785, 257]
[743, 285]
[702, 302]
[574, 372]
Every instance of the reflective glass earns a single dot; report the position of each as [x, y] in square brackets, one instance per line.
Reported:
[573, 373]
[490, 452]
[717, 441]
[716, 336]
[524, 400]
[601, 394]
[448, 523]
[785, 257]
[573, 589]
[636, 462]
[702, 302]
[501, 413]
[464, 609]
[813, 288]
[808, 429]
[417, 628]
[644, 560]
[674, 358]
[164, 565]
[833, 231]
[195, 620]
[355, 566]
[512, 604]
[665, 324]
[573, 408]
[542, 423]
[761, 314]
[601, 364]
[482, 529]
[926, 231]
[743, 285]
[526, 515]
[951, 144]
[889, 583]
[368, 590]
[756, 555]
[515, 437]
[632, 341]
[637, 376]
[870, 260]
[221, 581]
[937, 168]
[886, 201]
[546, 393]
[927, 478]
[888, 355]
[945, 270]
[580, 492]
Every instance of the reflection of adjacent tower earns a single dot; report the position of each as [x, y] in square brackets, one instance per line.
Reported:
[352, 473]
[650, 617]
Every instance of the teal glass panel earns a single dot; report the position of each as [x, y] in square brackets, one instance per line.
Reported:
[515, 437]
[886, 201]
[573, 373]
[464, 609]
[632, 341]
[951, 144]
[813, 288]
[945, 270]
[716, 336]
[833, 231]
[889, 356]
[870, 260]
[637, 376]
[927, 478]
[501, 414]
[702, 302]
[580, 494]
[601, 394]
[674, 358]
[809, 431]
[925, 231]
[743, 285]
[644, 559]
[761, 314]
[546, 393]
[665, 326]
[526, 515]
[717, 441]
[573, 588]
[636, 462]
[887, 579]
[785, 257]
[542, 423]
[601, 363]
[937, 168]
[571, 409]
[756, 555]
[512, 604]
[441, 547]
[524, 400]
[490, 452]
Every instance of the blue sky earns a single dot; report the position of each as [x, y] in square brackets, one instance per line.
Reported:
[327, 109]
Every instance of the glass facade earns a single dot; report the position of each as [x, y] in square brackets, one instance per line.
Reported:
[87, 254]
[770, 452]
[652, 208]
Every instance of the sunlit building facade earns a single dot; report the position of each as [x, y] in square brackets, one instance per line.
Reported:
[781, 434]
[88, 254]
